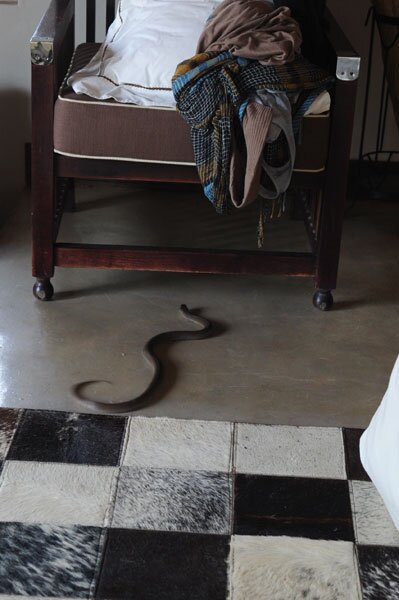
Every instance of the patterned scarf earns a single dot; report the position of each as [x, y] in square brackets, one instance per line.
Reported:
[212, 91]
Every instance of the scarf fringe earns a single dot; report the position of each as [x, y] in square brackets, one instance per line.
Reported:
[269, 210]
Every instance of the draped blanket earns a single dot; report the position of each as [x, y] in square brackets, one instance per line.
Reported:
[252, 29]
[213, 91]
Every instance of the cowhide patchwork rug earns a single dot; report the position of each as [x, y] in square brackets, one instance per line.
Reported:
[159, 509]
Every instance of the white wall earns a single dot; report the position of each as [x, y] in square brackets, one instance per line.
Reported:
[17, 23]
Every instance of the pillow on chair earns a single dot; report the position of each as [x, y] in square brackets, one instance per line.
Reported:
[142, 49]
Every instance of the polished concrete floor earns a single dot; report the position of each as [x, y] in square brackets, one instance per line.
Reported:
[274, 358]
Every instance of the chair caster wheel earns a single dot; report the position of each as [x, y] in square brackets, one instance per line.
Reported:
[43, 289]
[323, 300]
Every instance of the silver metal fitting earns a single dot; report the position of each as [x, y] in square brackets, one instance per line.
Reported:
[348, 68]
[41, 52]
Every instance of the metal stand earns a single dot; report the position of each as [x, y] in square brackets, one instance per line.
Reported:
[377, 175]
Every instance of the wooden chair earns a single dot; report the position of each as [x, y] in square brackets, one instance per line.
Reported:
[321, 171]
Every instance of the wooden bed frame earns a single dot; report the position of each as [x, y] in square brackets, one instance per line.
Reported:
[52, 46]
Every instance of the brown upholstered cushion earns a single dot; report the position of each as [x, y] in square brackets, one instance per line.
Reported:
[89, 128]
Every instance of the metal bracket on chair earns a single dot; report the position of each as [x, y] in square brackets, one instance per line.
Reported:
[348, 68]
[41, 52]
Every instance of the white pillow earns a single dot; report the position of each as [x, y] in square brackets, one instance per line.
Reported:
[379, 447]
[144, 44]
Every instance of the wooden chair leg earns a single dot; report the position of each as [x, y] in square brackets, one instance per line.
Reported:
[43, 188]
[43, 231]
[334, 193]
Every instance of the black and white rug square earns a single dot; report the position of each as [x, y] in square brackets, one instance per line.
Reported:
[163, 565]
[298, 507]
[162, 509]
[48, 560]
[171, 500]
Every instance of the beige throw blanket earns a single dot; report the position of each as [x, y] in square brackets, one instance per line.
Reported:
[252, 29]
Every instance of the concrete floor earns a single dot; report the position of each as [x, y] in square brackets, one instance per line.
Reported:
[275, 359]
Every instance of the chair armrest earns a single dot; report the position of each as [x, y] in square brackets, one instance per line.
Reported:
[346, 59]
[51, 31]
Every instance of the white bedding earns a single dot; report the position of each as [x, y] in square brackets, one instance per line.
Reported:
[144, 44]
[379, 447]
[321, 105]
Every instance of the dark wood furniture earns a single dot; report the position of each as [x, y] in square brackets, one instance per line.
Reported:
[52, 46]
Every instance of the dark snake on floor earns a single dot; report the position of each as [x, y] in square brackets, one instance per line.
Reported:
[154, 362]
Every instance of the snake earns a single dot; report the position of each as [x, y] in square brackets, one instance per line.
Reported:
[79, 390]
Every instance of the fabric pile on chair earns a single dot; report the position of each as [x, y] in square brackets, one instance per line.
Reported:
[244, 94]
